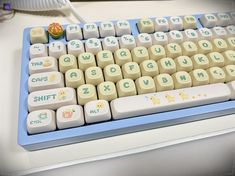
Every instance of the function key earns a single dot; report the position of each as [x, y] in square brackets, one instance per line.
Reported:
[55, 30]
[122, 28]
[90, 30]
[223, 19]
[107, 29]
[176, 23]
[190, 22]
[208, 20]
[38, 35]
[73, 31]
[161, 25]
[145, 26]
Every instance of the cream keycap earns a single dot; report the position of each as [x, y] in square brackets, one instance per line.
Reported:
[145, 84]
[38, 35]
[216, 59]
[93, 45]
[110, 43]
[189, 22]
[175, 36]
[173, 50]
[122, 27]
[51, 98]
[90, 30]
[231, 43]
[166, 65]
[169, 100]
[219, 32]
[73, 32]
[160, 38]
[219, 45]
[204, 47]
[45, 80]
[156, 52]
[183, 63]
[163, 82]
[122, 56]
[145, 26]
[41, 121]
[175, 23]
[86, 60]
[74, 78]
[149, 68]
[139, 54]
[208, 20]
[37, 50]
[127, 41]
[190, 35]
[205, 34]
[86, 93]
[182, 79]
[126, 87]
[223, 19]
[97, 111]
[106, 29]
[56, 49]
[229, 71]
[199, 77]
[229, 57]
[161, 25]
[75, 47]
[42, 64]
[200, 61]
[189, 48]
[94, 75]
[216, 75]
[104, 58]
[144, 40]
[107, 91]
[69, 116]
[113, 73]
[131, 70]
[67, 62]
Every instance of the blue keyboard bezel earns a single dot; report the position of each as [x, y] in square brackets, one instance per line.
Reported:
[110, 128]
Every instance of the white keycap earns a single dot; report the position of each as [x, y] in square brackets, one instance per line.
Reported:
[110, 43]
[169, 100]
[127, 41]
[208, 20]
[161, 25]
[90, 30]
[97, 111]
[232, 15]
[41, 121]
[223, 19]
[37, 50]
[51, 98]
[45, 80]
[144, 39]
[73, 31]
[122, 27]
[176, 23]
[190, 35]
[175, 37]
[205, 34]
[93, 45]
[42, 64]
[231, 85]
[219, 32]
[160, 38]
[75, 47]
[69, 116]
[231, 30]
[107, 29]
[56, 49]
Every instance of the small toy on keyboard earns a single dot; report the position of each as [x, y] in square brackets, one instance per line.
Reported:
[97, 80]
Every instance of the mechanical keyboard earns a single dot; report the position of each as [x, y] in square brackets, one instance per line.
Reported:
[82, 82]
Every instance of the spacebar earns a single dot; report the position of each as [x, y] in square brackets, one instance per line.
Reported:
[169, 100]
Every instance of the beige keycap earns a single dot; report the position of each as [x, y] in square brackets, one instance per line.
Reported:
[86, 93]
[139, 54]
[149, 68]
[183, 63]
[199, 77]
[219, 45]
[122, 56]
[145, 84]
[229, 71]
[231, 43]
[38, 35]
[156, 52]
[166, 65]
[216, 59]
[67, 62]
[173, 50]
[182, 79]
[200, 61]
[112, 73]
[229, 57]
[86, 60]
[126, 87]
[131, 70]
[107, 91]
[189, 48]
[189, 22]
[74, 78]
[163, 82]
[94, 75]
[145, 26]
[204, 46]
[216, 75]
[104, 58]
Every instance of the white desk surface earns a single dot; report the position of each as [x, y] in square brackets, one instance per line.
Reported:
[15, 160]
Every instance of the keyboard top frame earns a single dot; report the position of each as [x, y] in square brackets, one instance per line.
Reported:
[108, 128]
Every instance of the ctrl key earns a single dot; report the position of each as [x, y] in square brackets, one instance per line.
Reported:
[41, 121]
